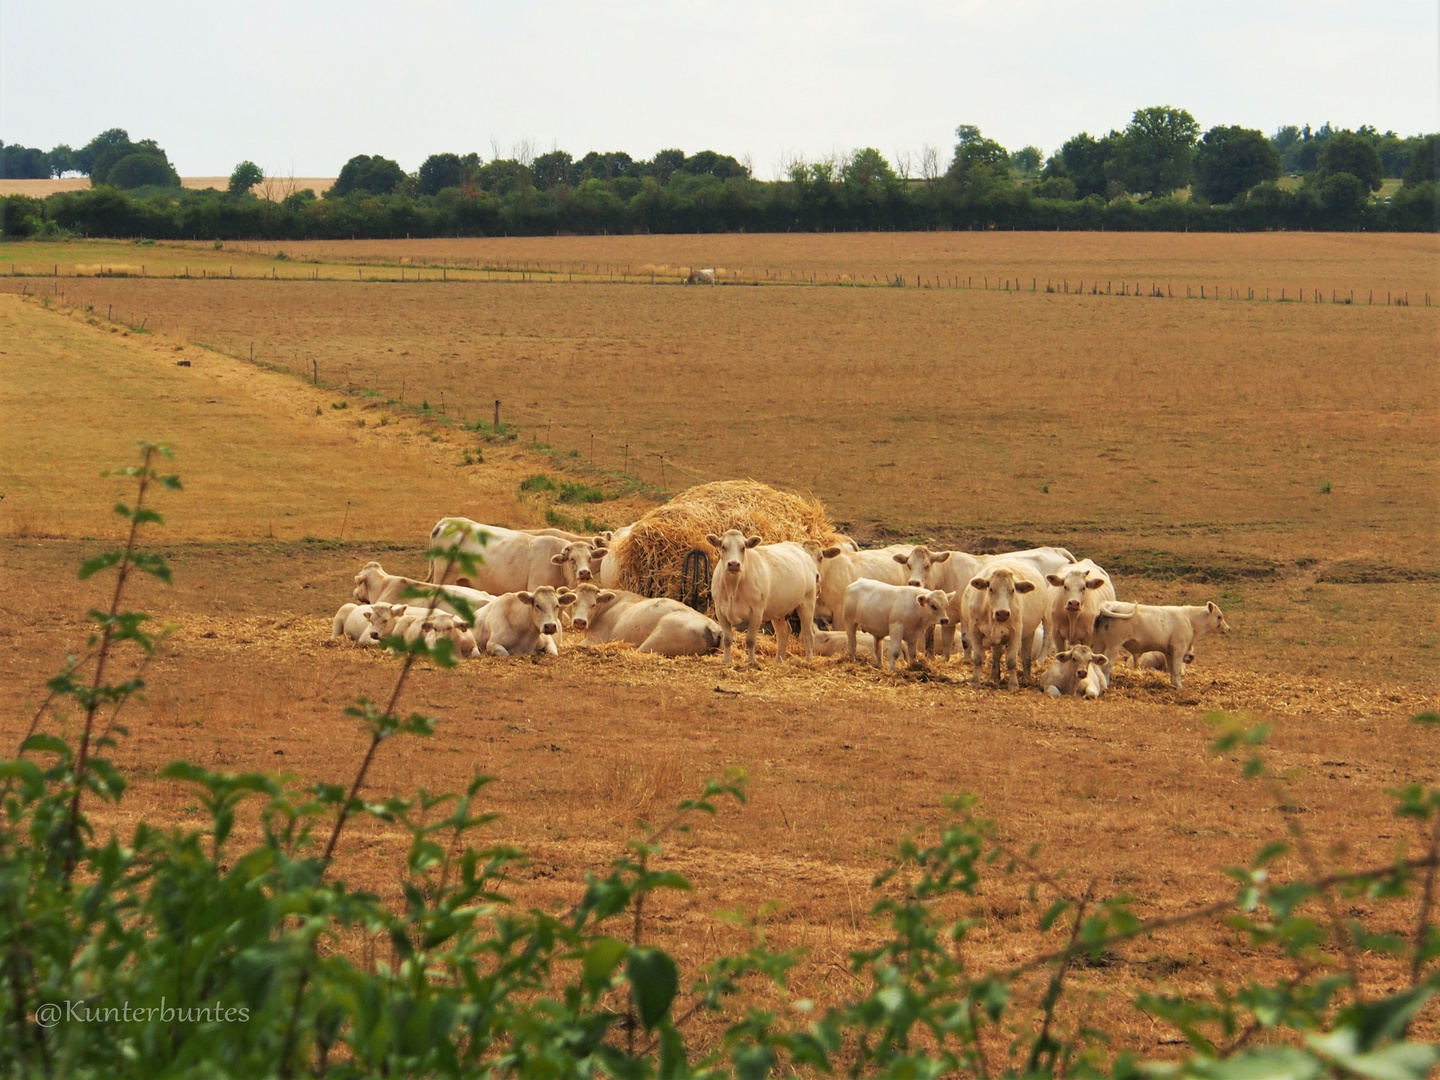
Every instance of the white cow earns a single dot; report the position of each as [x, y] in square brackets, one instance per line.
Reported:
[373, 585]
[1076, 672]
[579, 561]
[520, 623]
[839, 567]
[753, 584]
[1143, 628]
[837, 643]
[356, 622]
[509, 560]
[701, 277]
[1004, 605]
[609, 572]
[900, 612]
[1073, 600]
[434, 625]
[659, 625]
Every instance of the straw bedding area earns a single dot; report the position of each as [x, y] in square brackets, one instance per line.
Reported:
[652, 557]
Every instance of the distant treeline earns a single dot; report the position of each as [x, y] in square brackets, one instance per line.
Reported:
[1160, 173]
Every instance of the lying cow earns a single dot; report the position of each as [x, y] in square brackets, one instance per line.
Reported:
[373, 585]
[579, 561]
[507, 560]
[839, 567]
[659, 625]
[900, 612]
[365, 624]
[837, 643]
[434, 625]
[1076, 672]
[1004, 605]
[753, 584]
[701, 277]
[1142, 628]
[1073, 601]
[520, 623]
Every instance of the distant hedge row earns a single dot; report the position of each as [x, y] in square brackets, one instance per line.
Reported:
[704, 204]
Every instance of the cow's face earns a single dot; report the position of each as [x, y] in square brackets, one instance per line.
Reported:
[1215, 619]
[919, 563]
[363, 581]
[935, 606]
[581, 561]
[1000, 588]
[383, 618]
[733, 546]
[545, 604]
[589, 601]
[1073, 585]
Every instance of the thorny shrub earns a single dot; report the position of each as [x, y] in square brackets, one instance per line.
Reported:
[175, 953]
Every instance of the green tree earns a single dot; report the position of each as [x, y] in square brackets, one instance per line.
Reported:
[441, 171]
[1027, 160]
[973, 148]
[552, 169]
[1344, 194]
[62, 160]
[709, 162]
[1155, 150]
[83, 159]
[1086, 160]
[1232, 160]
[1349, 152]
[23, 163]
[142, 170]
[246, 175]
[374, 175]
[666, 163]
[1423, 160]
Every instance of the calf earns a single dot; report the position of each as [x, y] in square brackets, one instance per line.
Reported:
[521, 623]
[837, 643]
[658, 625]
[352, 621]
[839, 567]
[373, 585]
[753, 584]
[900, 612]
[1074, 598]
[1142, 628]
[1076, 672]
[1003, 606]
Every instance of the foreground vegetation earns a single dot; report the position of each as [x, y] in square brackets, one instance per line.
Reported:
[184, 951]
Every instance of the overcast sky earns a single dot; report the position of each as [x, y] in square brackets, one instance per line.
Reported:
[300, 87]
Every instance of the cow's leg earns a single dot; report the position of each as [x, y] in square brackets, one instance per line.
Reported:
[494, 648]
[549, 645]
[727, 637]
[752, 628]
[1026, 644]
[976, 654]
[1176, 656]
[850, 638]
[930, 645]
[998, 646]
[781, 626]
[1012, 656]
[807, 627]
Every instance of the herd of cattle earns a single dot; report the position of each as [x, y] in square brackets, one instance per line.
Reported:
[511, 592]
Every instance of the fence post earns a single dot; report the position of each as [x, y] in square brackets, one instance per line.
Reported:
[497, 416]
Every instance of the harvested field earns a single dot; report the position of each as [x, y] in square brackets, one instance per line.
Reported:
[1183, 446]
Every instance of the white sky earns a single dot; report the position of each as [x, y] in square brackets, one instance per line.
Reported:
[300, 87]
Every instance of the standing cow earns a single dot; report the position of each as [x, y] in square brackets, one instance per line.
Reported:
[1073, 601]
[1004, 605]
[755, 583]
[901, 613]
[1142, 628]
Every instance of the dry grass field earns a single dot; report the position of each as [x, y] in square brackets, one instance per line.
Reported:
[1185, 443]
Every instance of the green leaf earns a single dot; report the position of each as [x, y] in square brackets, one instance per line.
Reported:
[1054, 912]
[1270, 1063]
[753, 1062]
[654, 979]
[1398, 1061]
[46, 743]
[1380, 1021]
[673, 1065]
[90, 567]
[1426, 718]
[601, 958]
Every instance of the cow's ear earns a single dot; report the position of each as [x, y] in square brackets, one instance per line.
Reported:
[1210, 606]
[605, 598]
[901, 559]
[712, 540]
[923, 599]
[950, 597]
[1063, 657]
[526, 598]
[1094, 583]
[1024, 586]
[979, 584]
[1100, 659]
[559, 560]
[942, 557]
[1055, 579]
[566, 599]
[753, 541]
[830, 552]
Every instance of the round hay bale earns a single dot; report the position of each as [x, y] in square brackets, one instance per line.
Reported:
[652, 556]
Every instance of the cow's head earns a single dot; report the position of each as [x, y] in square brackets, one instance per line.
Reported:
[1215, 619]
[365, 581]
[1073, 582]
[918, 564]
[935, 607]
[732, 546]
[589, 600]
[383, 618]
[581, 560]
[545, 604]
[999, 588]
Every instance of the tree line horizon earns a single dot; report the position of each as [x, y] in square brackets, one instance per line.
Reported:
[1159, 172]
